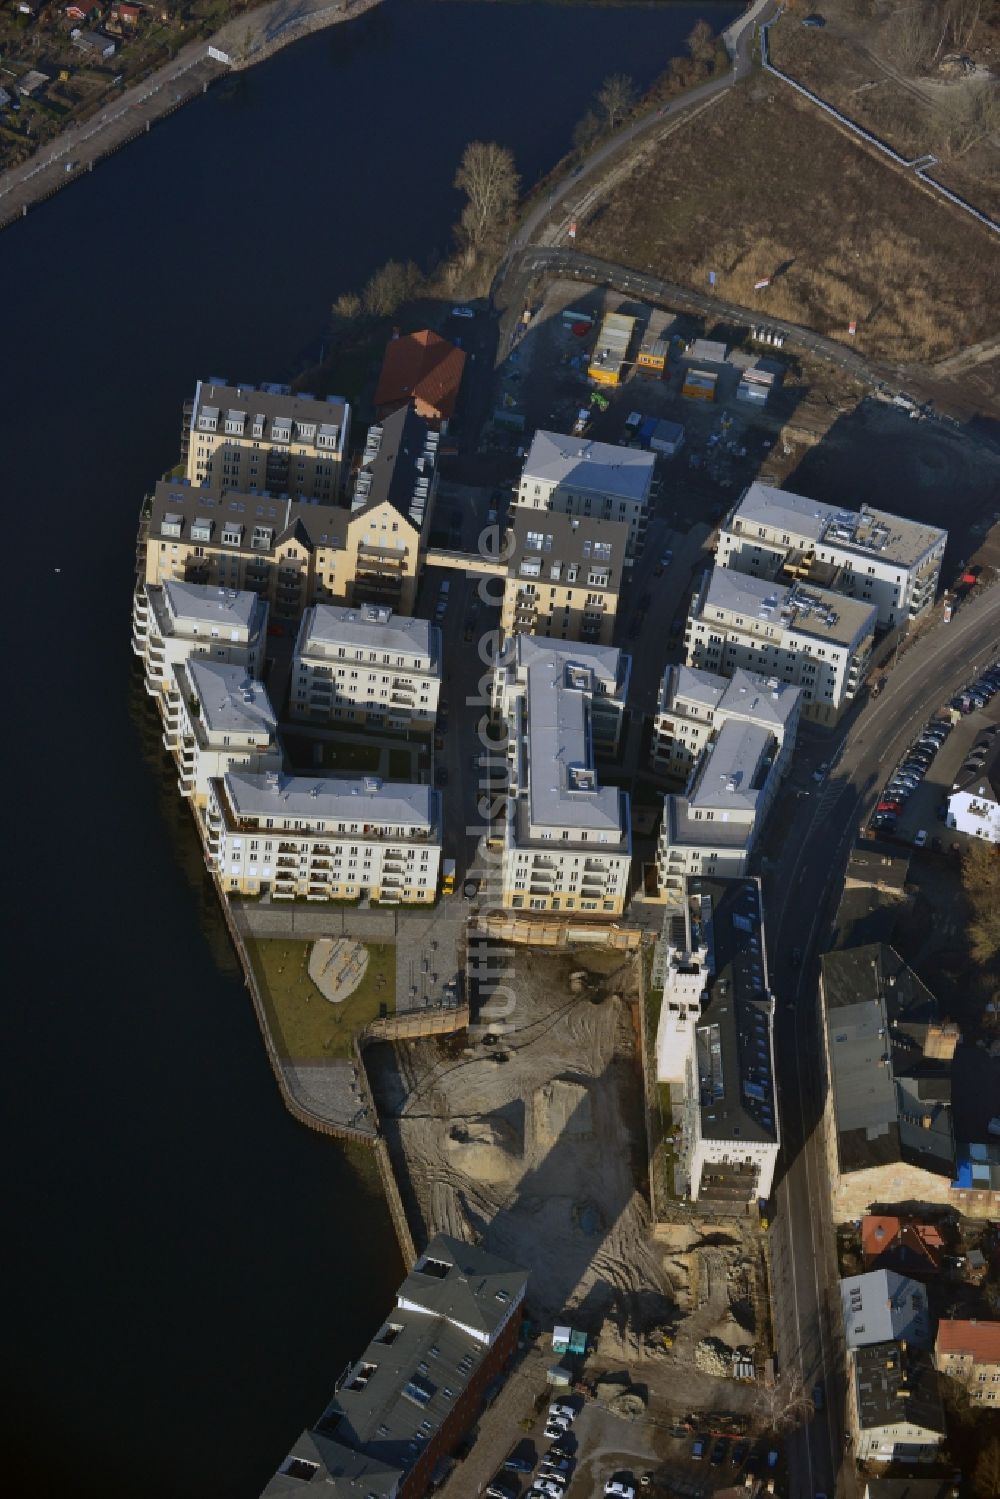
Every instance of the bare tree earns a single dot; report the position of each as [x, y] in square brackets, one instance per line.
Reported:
[986, 1478]
[487, 177]
[347, 306]
[616, 96]
[914, 35]
[390, 285]
[964, 16]
[966, 116]
[701, 42]
[783, 1407]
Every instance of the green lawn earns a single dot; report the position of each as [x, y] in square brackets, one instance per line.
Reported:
[307, 1027]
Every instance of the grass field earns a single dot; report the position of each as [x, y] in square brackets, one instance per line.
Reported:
[307, 1027]
[763, 185]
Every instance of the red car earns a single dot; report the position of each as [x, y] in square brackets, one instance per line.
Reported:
[889, 807]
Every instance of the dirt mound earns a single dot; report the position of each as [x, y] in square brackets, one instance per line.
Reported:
[487, 1150]
[561, 1109]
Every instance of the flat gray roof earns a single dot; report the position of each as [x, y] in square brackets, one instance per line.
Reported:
[563, 790]
[596, 467]
[229, 700]
[693, 685]
[731, 773]
[205, 604]
[327, 799]
[803, 609]
[368, 627]
[871, 532]
[894, 1384]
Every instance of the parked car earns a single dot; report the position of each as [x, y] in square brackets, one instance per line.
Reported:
[559, 1408]
[920, 838]
[739, 1453]
[462, 312]
[555, 1429]
[719, 1451]
[818, 1396]
[556, 1464]
[666, 557]
[698, 1448]
[518, 1463]
[546, 1486]
[619, 1488]
[498, 1489]
[890, 806]
[815, 22]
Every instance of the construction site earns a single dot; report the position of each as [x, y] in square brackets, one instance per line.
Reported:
[528, 1135]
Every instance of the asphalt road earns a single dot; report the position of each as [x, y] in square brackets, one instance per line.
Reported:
[801, 887]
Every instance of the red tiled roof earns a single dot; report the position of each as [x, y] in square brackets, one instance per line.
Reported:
[981, 1339]
[421, 366]
[904, 1237]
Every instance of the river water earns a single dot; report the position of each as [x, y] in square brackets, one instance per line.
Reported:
[188, 1269]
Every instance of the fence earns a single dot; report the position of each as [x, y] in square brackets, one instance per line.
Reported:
[540, 932]
[919, 165]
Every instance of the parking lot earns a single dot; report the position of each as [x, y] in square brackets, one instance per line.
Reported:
[915, 808]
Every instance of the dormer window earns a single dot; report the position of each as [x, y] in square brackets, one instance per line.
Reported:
[305, 431]
[258, 424]
[327, 435]
[281, 429]
[208, 419]
[171, 525]
[235, 423]
[232, 534]
[201, 530]
[262, 537]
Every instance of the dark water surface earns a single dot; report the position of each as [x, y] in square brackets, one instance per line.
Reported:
[186, 1269]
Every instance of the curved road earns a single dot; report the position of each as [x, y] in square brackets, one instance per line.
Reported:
[802, 887]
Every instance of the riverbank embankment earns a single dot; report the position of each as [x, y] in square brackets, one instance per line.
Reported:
[236, 46]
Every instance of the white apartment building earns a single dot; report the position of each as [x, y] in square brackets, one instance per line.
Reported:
[693, 705]
[598, 479]
[869, 554]
[713, 827]
[324, 838]
[253, 438]
[808, 637]
[215, 719]
[715, 1041]
[567, 839]
[740, 734]
[366, 665]
[172, 621]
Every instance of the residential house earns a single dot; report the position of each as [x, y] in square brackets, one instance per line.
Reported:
[969, 1351]
[391, 512]
[974, 802]
[894, 1410]
[887, 1118]
[422, 370]
[905, 1245]
[883, 1307]
[402, 1408]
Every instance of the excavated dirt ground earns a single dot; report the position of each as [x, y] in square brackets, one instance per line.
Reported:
[536, 1144]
